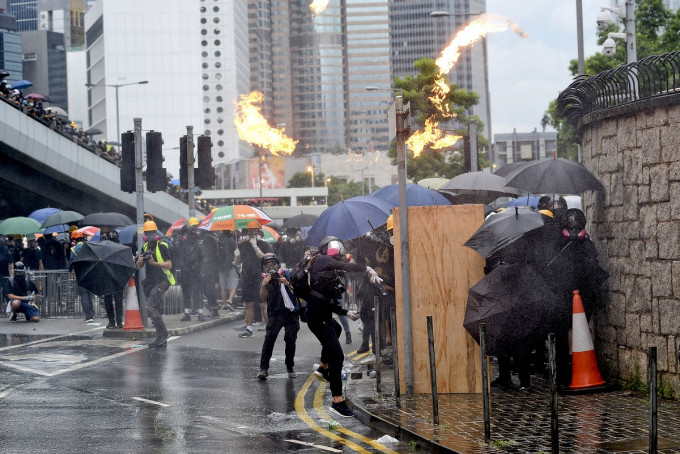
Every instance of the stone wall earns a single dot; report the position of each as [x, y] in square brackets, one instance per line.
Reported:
[635, 224]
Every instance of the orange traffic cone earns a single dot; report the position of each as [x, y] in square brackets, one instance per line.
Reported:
[133, 320]
[584, 371]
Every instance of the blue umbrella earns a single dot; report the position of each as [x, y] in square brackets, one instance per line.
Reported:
[350, 219]
[416, 195]
[20, 85]
[43, 213]
[126, 235]
[531, 201]
[174, 182]
[57, 228]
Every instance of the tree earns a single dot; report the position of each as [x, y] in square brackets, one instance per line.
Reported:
[657, 32]
[445, 163]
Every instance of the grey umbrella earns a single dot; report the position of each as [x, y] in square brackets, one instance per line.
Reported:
[110, 219]
[483, 186]
[94, 132]
[553, 176]
[62, 217]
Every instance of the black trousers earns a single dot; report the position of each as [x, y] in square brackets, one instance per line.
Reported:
[114, 313]
[290, 323]
[191, 294]
[327, 331]
[154, 301]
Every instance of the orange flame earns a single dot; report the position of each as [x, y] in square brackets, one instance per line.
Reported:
[432, 136]
[318, 6]
[253, 127]
[471, 33]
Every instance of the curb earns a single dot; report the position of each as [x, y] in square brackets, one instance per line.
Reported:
[149, 333]
[390, 428]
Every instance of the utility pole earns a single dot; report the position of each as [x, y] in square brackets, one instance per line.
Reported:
[190, 172]
[139, 180]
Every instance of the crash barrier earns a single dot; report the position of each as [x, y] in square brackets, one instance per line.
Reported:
[58, 296]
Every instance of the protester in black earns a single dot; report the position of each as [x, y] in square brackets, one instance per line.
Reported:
[6, 259]
[189, 262]
[326, 283]
[113, 302]
[251, 250]
[283, 311]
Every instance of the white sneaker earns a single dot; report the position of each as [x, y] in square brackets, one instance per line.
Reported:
[369, 359]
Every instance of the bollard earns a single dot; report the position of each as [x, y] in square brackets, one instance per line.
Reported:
[653, 441]
[376, 340]
[433, 371]
[395, 355]
[485, 384]
[552, 364]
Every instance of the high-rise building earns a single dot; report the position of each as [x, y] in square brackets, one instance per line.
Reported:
[416, 33]
[44, 64]
[194, 56]
[26, 12]
[10, 48]
[63, 16]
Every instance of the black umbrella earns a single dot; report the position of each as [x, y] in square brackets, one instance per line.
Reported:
[3, 74]
[553, 176]
[93, 132]
[301, 220]
[500, 230]
[109, 219]
[509, 168]
[518, 307]
[103, 267]
[62, 217]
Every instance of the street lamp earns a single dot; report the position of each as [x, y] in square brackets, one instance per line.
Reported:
[117, 86]
[310, 169]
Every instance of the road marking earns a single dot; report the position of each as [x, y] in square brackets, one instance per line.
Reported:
[321, 411]
[306, 443]
[160, 404]
[48, 339]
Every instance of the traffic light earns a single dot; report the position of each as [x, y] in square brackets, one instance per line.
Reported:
[205, 174]
[183, 166]
[127, 169]
[156, 177]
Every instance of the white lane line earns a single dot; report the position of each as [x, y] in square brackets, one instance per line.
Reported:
[141, 399]
[8, 390]
[306, 443]
[48, 339]
[24, 369]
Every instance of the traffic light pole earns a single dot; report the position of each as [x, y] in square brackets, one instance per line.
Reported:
[139, 160]
[190, 171]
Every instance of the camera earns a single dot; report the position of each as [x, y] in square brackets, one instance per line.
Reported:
[609, 47]
[146, 256]
[274, 275]
[603, 20]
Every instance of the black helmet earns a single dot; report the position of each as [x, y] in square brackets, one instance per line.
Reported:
[573, 223]
[332, 246]
[269, 257]
[544, 202]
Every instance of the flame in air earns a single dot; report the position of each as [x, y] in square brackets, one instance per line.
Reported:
[318, 6]
[253, 127]
[471, 33]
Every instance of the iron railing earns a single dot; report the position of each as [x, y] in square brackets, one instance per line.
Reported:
[650, 77]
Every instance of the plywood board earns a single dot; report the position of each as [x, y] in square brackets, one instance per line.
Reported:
[441, 272]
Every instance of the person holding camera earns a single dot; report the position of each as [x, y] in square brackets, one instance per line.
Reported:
[251, 250]
[283, 311]
[326, 288]
[157, 259]
[86, 296]
[21, 293]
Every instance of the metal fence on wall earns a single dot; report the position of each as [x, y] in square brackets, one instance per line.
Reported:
[58, 296]
[650, 77]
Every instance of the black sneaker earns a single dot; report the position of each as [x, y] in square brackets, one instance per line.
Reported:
[502, 382]
[186, 318]
[246, 333]
[161, 341]
[201, 317]
[13, 318]
[322, 374]
[263, 375]
[110, 325]
[348, 338]
[362, 349]
[291, 373]
[214, 314]
[341, 409]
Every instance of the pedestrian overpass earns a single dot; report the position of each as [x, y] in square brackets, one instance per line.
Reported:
[42, 167]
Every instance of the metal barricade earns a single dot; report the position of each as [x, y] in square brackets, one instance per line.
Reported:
[58, 295]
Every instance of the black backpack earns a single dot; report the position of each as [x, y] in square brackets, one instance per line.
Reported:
[299, 278]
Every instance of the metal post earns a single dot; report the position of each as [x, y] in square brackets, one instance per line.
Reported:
[191, 184]
[403, 232]
[552, 364]
[579, 37]
[433, 371]
[485, 383]
[474, 154]
[140, 211]
[631, 48]
[376, 341]
[259, 173]
[363, 191]
[653, 440]
[395, 353]
[117, 118]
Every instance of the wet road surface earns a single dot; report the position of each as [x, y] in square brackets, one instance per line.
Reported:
[85, 393]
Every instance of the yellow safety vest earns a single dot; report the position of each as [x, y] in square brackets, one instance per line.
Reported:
[159, 259]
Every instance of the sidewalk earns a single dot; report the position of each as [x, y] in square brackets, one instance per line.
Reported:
[616, 421]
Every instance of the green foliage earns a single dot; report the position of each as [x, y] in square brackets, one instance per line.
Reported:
[445, 163]
[657, 32]
[635, 382]
[412, 446]
[665, 388]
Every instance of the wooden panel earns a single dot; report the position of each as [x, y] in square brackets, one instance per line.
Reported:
[442, 271]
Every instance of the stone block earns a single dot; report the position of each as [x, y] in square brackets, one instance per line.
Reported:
[615, 192]
[673, 114]
[632, 166]
[609, 160]
[644, 194]
[632, 336]
[608, 127]
[660, 117]
[669, 316]
[616, 310]
[631, 208]
[661, 344]
[646, 323]
[670, 138]
[658, 188]
[673, 359]
[637, 257]
[650, 143]
[663, 211]
[627, 133]
[675, 201]
[669, 248]
[651, 250]
[675, 278]
[648, 221]
[674, 170]
[656, 324]
[642, 301]
[662, 284]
